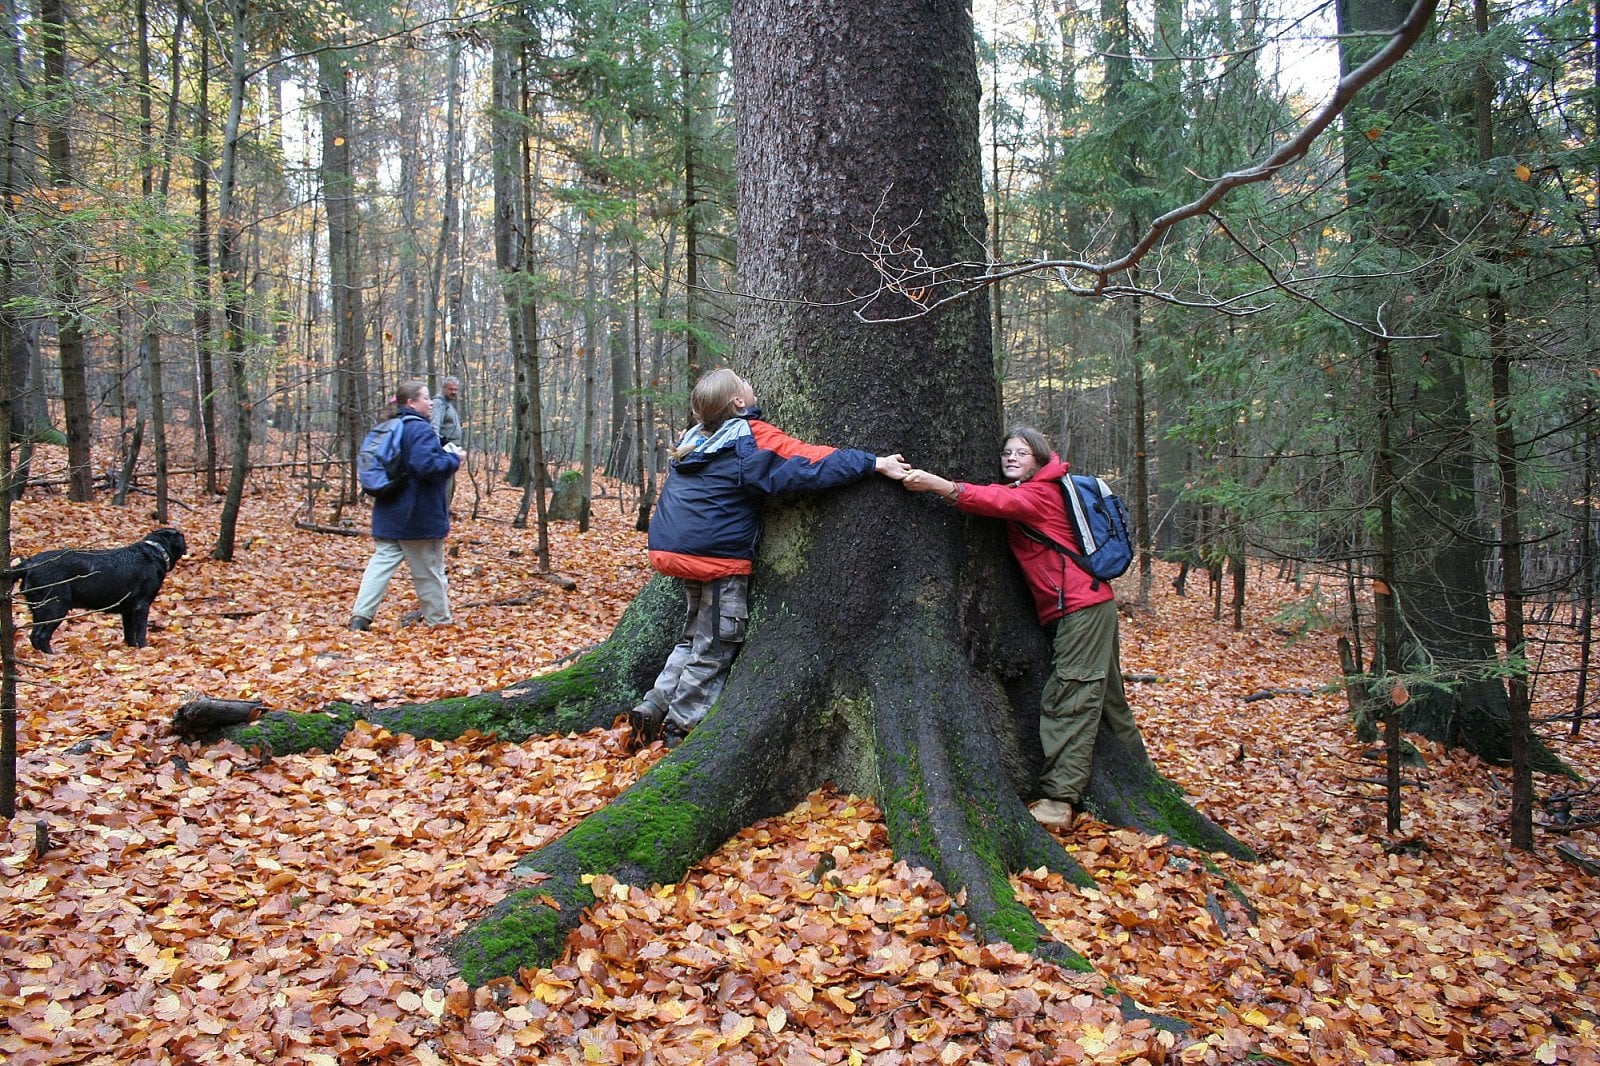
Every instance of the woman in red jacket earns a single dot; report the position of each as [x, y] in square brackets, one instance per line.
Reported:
[1085, 683]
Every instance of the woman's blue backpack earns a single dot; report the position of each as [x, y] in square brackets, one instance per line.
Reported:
[1100, 522]
[380, 465]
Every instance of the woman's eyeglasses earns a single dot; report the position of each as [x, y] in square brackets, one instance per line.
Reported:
[1023, 454]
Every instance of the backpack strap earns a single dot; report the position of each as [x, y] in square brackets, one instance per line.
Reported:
[1039, 536]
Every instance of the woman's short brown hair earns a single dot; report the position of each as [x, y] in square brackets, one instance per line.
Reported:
[1037, 442]
[407, 391]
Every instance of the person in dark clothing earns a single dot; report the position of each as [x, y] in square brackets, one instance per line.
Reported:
[705, 529]
[1085, 682]
[411, 525]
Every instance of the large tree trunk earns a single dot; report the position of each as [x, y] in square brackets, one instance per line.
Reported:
[892, 647]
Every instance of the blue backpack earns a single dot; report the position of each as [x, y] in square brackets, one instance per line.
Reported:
[1100, 522]
[381, 465]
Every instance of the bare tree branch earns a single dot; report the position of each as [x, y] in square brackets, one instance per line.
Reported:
[905, 272]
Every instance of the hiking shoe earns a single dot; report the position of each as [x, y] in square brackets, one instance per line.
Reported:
[1058, 814]
[646, 721]
[360, 623]
[673, 735]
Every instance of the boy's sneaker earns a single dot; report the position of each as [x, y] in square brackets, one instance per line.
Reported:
[360, 623]
[646, 721]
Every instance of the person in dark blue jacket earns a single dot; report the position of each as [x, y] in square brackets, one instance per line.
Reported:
[411, 525]
[705, 529]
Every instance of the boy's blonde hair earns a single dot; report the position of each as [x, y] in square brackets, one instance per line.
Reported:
[714, 399]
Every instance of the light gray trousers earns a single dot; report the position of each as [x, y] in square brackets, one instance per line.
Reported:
[713, 633]
[425, 560]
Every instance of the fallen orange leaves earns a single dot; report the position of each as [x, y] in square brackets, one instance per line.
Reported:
[198, 906]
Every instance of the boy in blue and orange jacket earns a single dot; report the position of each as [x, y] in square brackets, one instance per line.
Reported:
[705, 529]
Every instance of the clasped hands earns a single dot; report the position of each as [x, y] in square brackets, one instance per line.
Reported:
[895, 467]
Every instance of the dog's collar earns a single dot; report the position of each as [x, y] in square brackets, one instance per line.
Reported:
[165, 558]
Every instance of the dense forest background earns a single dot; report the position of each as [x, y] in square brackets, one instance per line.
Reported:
[227, 231]
[230, 229]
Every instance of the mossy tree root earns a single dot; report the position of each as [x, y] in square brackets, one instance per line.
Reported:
[725, 776]
[1130, 792]
[949, 808]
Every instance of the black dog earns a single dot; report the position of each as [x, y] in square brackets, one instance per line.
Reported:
[124, 580]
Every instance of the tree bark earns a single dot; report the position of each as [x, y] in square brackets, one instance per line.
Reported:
[450, 211]
[689, 87]
[150, 341]
[204, 335]
[1507, 459]
[10, 387]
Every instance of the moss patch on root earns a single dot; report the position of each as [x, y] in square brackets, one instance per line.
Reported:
[524, 930]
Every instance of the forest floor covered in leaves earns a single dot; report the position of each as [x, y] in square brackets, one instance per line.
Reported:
[194, 906]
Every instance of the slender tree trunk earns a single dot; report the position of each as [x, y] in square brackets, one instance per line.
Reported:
[449, 211]
[412, 354]
[689, 80]
[530, 170]
[1586, 560]
[1511, 556]
[594, 281]
[646, 479]
[204, 334]
[229, 266]
[505, 150]
[344, 261]
[151, 340]
[514, 173]
[1389, 667]
[8, 625]
[659, 372]
[10, 83]
[69, 323]
[1141, 468]
[1507, 461]
[29, 418]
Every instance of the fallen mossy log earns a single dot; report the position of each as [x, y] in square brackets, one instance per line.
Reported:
[588, 694]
